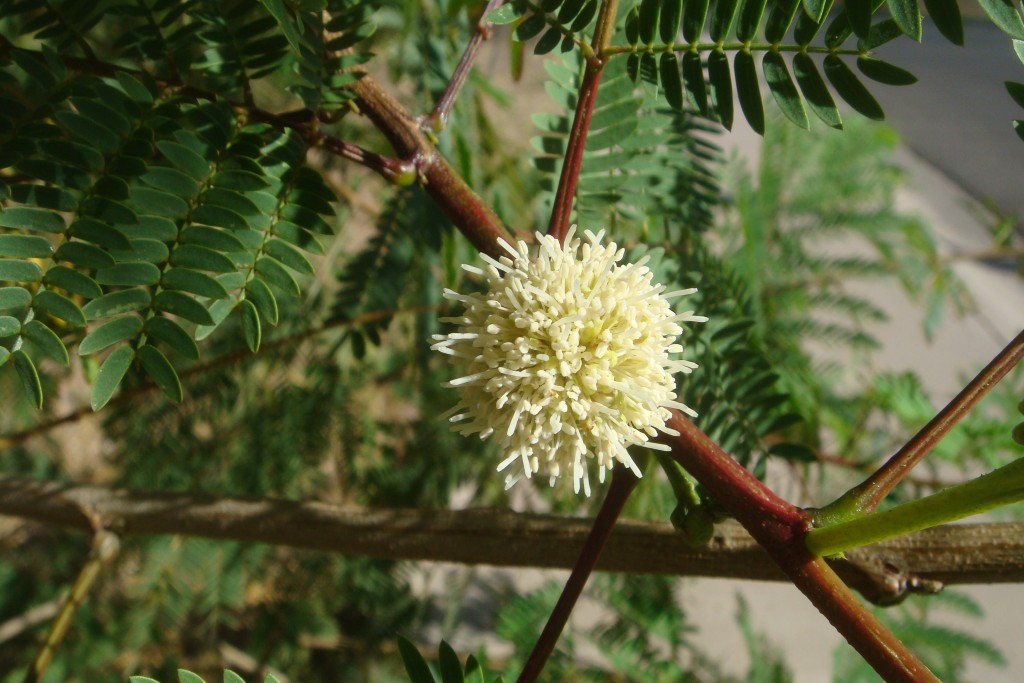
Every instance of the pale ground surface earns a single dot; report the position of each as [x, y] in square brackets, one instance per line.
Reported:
[959, 348]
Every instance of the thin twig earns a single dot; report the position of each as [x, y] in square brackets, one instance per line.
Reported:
[437, 120]
[868, 495]
[105, 546]
[558, 226]
[623, 483]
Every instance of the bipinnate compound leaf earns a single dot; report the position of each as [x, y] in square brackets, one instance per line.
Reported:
[29, 376]
[156, 365]
[414, 663]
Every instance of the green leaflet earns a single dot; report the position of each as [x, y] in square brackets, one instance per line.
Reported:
[29, 377]
[161, 371]
[851, 89]
[749, 90]
[25, 246]
[118, 303]
[1005, 15]
[59, 306]
[182, 306]
[815, 91]
[19, 271]
[72, 281]
[783, 89]
[110, 375]
[171, 333]
[31, 218]
[251, 329]
[946, 15]
[110, 333]
[266, 304]
[14, 297]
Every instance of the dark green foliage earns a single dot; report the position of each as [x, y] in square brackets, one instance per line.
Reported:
[748, 20]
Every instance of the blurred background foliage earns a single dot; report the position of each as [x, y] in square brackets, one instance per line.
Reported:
[342, 402]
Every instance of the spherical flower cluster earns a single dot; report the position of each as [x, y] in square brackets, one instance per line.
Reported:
[569, 357]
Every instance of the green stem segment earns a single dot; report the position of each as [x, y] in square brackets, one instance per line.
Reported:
[1000, 487]
[105, 546]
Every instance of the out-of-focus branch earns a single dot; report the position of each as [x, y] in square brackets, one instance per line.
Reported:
[951, 554]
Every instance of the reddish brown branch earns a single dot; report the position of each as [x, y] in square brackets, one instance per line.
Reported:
[455, 198]
[438, 118]
[780, 529]
[623, 483]
[558, 226]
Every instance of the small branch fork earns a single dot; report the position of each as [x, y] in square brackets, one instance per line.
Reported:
[437, 120]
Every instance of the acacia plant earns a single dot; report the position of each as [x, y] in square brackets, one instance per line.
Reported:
[234, 222]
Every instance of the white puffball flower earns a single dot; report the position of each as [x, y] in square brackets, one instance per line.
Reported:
[569, 357]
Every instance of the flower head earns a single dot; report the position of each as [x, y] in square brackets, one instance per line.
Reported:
[569, 357]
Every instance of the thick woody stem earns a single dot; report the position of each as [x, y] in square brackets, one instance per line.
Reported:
[868, 495]
[449, 191]
[781, 528]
